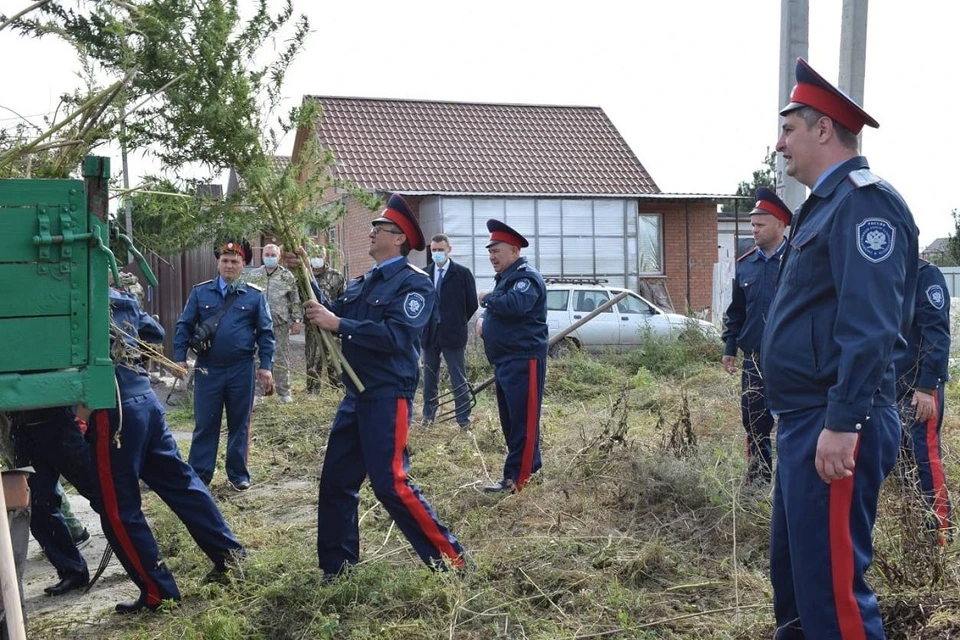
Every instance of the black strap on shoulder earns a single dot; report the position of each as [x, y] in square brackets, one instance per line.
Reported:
[214, 322]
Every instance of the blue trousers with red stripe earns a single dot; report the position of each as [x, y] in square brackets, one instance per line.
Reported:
[50, 440]
[921, 448]
[216, 387]
[757, 422]
[821, 534]
[148, 451]
[519, 398]
[369, 437]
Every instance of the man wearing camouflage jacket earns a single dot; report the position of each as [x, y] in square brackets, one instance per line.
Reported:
[280, 287]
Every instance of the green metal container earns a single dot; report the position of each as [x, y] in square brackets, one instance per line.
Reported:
[54, 308]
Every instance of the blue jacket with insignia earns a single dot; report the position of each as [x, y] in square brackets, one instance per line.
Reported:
[753, 290]
[130, 323]
[515, 316]
[382, 314]
[924, 365]
[245, 327]
[844, 300]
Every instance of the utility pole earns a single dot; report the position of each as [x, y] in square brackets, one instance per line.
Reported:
[127, 201]
[853, 48]
[794, 43]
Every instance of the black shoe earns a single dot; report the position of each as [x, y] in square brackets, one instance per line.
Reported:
[68, 584]
[82, 540]
[136, 606]
[465, 426]
[243, 485]
[507, 485]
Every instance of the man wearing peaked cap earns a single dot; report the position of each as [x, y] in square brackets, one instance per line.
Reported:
[225, 322]
[845, 295]
[379, 320]
[514, 331]
[753, 289]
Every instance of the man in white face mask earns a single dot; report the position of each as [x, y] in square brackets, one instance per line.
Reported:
[331, 283]
[447, 334]
[280, 287]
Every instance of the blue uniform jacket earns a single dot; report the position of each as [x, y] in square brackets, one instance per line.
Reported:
[753, 289]
[244, 328]
[382, 314]
[129, 322]
[924, 365]
[844, 300]
[515, 316]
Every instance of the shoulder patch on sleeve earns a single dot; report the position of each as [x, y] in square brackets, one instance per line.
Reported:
[522, 285]
[416, 268]
[413, 304]
[936, 296]
[747, 253]
[862, 178]
[875, 239]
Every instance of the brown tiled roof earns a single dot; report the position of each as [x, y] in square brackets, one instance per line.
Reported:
[416, 146]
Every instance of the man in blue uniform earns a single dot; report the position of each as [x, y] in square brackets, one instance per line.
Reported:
[921, 374]
[133, 443]
[379, 320]
[753, 289]
[844, 296]
[50, 440]
[447, 333]
[225, 375]
[514, 332]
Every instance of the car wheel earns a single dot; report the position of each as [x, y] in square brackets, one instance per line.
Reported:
[563, 348]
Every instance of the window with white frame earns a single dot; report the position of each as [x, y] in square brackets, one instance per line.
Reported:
[650, 244]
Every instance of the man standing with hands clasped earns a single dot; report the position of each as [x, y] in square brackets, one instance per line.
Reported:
[845, 297]
[447, 336]
[514, 331]
[753, 290]
[379, 320]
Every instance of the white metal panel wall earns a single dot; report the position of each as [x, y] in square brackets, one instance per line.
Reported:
[569, 237]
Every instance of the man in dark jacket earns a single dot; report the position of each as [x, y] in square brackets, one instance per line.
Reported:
[447, 333]
[753, 289]
[379, 320]
[922, 373]
[514, 332]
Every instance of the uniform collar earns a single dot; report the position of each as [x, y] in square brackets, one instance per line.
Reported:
[832, 178]
[516, 265]
[218, 284]
[390, 267]
[760, 255]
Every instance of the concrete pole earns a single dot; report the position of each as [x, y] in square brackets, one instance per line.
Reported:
[794, 43]
[853, 48]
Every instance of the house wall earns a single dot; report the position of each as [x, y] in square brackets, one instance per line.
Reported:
[689, 251]
[355, 235]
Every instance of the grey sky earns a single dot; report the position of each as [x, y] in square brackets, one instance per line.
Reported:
[691, 84]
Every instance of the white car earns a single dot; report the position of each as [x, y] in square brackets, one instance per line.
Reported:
[622, 326]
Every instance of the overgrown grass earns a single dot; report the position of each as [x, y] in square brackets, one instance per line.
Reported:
[638, 527]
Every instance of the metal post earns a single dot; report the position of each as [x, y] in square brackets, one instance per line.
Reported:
[853, 48]
[127, 202]
[794, 43]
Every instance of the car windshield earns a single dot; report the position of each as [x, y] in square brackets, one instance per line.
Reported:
[634, 304]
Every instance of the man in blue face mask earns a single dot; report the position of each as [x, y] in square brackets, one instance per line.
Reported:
[446, 334]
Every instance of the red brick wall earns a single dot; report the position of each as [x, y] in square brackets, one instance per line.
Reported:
[355, 238]
[689, 245]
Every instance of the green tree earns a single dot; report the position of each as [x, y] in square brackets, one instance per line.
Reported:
[951, 256]
[766, 176]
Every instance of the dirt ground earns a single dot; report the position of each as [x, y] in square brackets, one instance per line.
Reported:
[78, 609]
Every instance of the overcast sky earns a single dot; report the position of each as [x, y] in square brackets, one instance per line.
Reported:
[690, 84]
